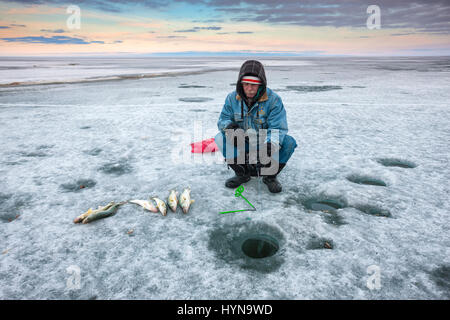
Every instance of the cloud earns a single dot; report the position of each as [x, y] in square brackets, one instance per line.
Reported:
[18, 25]
[425, 49]
[208, 28]
[243, 53]
[402, 34]
[4, 27]
[208, 21]
[195, 29]
[170, 37]
[237, 32]
[112, 6]
[188, 30]
[53, 31]
[50, 40]
[431, 16]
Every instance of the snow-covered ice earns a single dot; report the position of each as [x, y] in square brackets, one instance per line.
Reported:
[118, 140]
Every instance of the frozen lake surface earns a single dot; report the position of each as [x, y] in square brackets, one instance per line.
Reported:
[365, 193]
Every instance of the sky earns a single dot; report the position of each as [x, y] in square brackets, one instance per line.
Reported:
[226, 27]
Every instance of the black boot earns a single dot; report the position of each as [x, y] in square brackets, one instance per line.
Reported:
[242, 176]
[272, 183]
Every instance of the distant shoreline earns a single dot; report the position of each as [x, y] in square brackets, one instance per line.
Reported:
[113, 78]
[36, 71]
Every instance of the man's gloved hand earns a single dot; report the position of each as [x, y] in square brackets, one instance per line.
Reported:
[233, 126]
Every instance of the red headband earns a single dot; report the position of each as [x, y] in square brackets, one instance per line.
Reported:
[251, 79]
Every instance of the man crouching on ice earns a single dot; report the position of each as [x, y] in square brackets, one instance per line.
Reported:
[253, 130]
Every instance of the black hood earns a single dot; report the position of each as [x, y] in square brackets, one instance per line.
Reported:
[252, 68]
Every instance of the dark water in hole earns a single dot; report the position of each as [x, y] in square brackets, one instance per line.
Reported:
[190, 86]
[259, 247]
[374, 211]
[33, 154]
[198, 99]
[324, 204]
[11, 206]
[116, 168]
[313, 88]
[93, 152]
[333, 219]
[78, 185]
[322, 207]
[397, 163]
[366, 180]
[328, 207]
[320, 243]
[441, 277]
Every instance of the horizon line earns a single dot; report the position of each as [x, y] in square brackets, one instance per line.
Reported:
[306, 54]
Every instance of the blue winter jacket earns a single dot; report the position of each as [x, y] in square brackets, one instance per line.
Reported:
[267, 113]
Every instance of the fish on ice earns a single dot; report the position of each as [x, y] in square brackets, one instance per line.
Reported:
[161, 205]
[81, 217]
[185, 200]
[100, 213]
[172, 200]
[145, 204]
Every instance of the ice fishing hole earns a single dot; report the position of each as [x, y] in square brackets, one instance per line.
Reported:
[78, 185]
[11, 206]
[260, 246]
[190, 86]
[320, 243]
[312, 88]
[195, 99]
[324, 204]
[374, 211]
[93, 152]
[33, 154]
[117, 168]
[332, 218]
[366, 180]
[329, 207]
[249, 245]
[390, 162]
[441, 277]
[44, 147]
